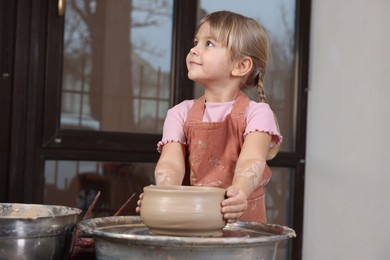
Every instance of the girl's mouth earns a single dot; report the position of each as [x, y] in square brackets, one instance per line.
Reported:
[194, 63]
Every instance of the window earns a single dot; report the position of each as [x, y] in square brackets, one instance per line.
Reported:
[116, 65]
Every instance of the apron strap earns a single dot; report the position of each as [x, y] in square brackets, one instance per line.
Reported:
[240, 105]
[197, 110]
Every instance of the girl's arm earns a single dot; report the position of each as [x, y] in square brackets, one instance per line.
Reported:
[248, 173]
[170, 168]
[251, 162]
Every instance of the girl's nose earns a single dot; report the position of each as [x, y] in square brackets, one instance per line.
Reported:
[194, 51]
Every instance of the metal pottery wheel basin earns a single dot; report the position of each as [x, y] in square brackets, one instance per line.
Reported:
[128, 238]
[32, 231]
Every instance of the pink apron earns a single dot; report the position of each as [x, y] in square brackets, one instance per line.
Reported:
[213, 149]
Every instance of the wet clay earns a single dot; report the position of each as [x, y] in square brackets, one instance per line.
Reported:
[33, 211]
[183, 210]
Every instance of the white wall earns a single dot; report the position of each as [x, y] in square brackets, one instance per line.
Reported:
[347, 195]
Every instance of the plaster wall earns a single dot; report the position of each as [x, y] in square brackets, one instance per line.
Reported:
[347, 192]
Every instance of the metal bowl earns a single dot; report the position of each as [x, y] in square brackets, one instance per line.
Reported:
[32, 231]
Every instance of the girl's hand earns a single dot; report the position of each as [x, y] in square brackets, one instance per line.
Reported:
[139, 202]
[234, 205]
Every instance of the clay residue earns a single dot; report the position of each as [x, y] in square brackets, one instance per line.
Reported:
[251, 170]
[26, 211]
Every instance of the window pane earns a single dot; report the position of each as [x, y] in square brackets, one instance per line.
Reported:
[278, 17]
[278, 195]
[75, 184]
[116, 65]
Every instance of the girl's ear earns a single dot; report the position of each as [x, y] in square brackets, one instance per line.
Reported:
[242, 67]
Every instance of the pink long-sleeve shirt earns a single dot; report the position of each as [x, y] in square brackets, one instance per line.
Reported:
[259, 118]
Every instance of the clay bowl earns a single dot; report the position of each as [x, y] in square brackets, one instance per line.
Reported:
[183, 210]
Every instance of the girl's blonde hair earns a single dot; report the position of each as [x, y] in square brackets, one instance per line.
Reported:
[243, 37]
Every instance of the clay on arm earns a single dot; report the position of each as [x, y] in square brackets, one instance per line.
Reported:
[170, 168]
[251, 162]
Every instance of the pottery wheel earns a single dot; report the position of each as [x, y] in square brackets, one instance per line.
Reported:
[225, 233]
[125, 237]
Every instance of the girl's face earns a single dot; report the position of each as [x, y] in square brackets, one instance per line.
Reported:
[208, 62]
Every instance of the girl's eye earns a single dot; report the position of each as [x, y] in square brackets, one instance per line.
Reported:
[209, 44]
[195, 43]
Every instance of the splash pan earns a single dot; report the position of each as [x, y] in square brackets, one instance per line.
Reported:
[127, 237]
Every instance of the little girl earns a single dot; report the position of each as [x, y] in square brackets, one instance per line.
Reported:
[223, 139]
